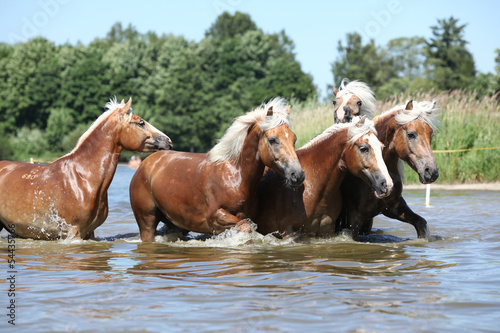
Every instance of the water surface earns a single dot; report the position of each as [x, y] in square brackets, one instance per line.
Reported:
[233, 282]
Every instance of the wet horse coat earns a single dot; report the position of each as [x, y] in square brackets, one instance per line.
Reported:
[209, 193]
[406, 132]
[313, 208]
[68, 198]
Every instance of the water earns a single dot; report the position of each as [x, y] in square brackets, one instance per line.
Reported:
[252, 283]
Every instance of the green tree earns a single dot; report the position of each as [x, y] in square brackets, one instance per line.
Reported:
[363, 62]
[32, 84]
[451, 64]
[59, 124]
[230, 26]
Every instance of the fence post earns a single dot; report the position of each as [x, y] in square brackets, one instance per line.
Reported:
[428, 195]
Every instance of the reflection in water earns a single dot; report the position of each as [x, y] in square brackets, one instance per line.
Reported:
[232, 282]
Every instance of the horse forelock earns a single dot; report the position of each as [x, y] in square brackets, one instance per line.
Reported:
[230, 145]
[362, 91]
[357, 131]
[425, 111]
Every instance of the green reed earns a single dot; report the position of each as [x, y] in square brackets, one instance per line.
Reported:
[466, 122]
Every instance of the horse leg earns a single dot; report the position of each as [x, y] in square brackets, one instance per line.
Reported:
[172, 228]
[366, 227]
[225, 220]
[353, 222]
[402, 212]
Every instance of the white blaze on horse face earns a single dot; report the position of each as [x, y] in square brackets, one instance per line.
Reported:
[377, 149]
[340, 110]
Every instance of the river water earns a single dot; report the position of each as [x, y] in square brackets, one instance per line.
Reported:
[388, 282]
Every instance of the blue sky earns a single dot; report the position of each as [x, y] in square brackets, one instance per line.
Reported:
[314, 26]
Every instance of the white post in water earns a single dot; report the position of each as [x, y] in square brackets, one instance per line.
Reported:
[428, 195]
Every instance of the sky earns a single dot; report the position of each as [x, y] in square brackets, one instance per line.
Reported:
[315, 27]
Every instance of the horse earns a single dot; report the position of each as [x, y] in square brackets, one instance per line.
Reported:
[214, 191]
[406, 132]
[354, 99]
[313, 208]
[68, 197]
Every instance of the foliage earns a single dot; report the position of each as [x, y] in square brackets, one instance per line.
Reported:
[189, 90]
[452, 65]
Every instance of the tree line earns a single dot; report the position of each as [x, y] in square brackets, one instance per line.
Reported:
[49, 94]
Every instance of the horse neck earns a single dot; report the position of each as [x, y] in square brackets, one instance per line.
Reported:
[98, 153]
[386, 128]
[249, 163]
[323, 162]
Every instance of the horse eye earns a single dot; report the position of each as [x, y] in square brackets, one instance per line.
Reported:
[141, 123]
[273, 140]
[411, 135]
[359, 103]
[364, 149]
[334, 102]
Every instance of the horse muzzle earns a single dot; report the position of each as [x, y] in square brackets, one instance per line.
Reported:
[295, 176]
[161, 142]
[381, 185]
[428, 174]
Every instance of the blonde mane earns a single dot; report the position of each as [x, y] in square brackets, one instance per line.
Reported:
[426, 111]
[230, 145]
[354, 132]
[364, 93]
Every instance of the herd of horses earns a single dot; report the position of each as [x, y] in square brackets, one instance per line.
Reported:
[337, 182]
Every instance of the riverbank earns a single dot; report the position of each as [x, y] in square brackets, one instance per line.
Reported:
[494, 186]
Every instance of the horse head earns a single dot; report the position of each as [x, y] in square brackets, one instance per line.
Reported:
[413, 139]
[363, 158]
[136, 134]
[277, 149]
[354, 99]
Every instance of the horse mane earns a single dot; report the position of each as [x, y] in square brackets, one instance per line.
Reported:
[109, 108]
[425, 111]
[364, 93]
[230, 145]
[354, 131]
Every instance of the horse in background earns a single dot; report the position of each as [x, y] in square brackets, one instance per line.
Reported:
[313, 208]
[406, 132]
[353, 99]
[215, 191]
[68, 198]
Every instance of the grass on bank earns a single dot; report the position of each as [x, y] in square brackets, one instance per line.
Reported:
[467, 122]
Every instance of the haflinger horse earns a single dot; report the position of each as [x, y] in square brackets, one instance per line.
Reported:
[406, 132]
[313, 208]
[68, 198]
[353, 99]
[214, 191]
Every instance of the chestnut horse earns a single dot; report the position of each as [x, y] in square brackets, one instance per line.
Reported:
[211, 192]
[68, 198]
[313, 208]
[406, 132]
[354, 99]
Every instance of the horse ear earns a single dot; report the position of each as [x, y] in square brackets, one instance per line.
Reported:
[288, 109]
[126, 108]
[409, 105]
[335, 91]
[122, 102]
[270, 111]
